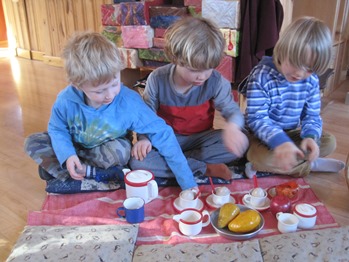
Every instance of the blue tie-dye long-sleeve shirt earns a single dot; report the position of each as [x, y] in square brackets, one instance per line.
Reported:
[73, 121]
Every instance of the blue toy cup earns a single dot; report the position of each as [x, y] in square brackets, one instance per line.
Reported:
[132, 210]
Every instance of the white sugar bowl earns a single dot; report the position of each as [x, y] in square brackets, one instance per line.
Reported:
[306, 214]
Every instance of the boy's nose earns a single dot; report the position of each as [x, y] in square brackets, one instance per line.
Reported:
[109, 94]
[300, 74]
[202, 76]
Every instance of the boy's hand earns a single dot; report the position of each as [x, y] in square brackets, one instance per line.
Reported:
[141, 148]
[311, 148]
[235, 140]
[286, 155]
[75, 168]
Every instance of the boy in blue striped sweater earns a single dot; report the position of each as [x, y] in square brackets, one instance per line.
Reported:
[283, 104]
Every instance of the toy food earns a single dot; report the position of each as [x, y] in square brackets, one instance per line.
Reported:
[258, 192]
[288, 189]
[245, 222]
[188, 194]
[226, 214]
[222, 191]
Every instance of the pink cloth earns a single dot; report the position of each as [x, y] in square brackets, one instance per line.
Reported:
[159, 227]
[140, 36]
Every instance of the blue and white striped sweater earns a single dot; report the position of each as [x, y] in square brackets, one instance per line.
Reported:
[275, 105]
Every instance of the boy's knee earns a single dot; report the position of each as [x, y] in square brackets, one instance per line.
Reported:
[112, 153]
[35, 142]
[135, 164]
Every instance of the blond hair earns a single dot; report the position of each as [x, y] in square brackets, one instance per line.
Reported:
[303, 37]
[194, 42]
[91, 58]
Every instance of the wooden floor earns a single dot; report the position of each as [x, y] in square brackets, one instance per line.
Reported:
[27, 92]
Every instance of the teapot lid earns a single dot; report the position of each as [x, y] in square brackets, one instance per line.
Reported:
[137, 177]
[305, 210]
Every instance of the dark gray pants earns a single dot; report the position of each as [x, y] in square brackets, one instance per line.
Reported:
[199, 149]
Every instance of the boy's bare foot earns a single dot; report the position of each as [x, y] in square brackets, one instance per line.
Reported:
[218, 170]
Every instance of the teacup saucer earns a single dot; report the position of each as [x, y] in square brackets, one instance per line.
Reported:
[210, 203]
[178, 208]
[262, 208]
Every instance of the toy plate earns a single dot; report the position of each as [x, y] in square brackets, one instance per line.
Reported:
[225, 232]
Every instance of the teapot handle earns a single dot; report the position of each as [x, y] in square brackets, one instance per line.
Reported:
[153, 190]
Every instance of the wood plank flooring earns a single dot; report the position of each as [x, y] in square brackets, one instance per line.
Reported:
[27, 92]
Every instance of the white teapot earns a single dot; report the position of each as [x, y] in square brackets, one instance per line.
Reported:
[141, 183]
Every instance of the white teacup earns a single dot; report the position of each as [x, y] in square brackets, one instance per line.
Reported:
[188, 199]
[256, 197]
[287, 222]
[191, 221]
[220, 195]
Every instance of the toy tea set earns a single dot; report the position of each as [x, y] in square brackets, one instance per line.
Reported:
[141, 188]
[229, 219]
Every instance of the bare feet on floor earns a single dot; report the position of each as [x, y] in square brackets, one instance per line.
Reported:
[218, 170]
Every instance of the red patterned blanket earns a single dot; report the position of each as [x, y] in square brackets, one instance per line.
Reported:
[159, 227]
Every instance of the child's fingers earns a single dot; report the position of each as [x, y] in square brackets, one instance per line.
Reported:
[134, 152]
[77, 176]
[300, 155]
[144, 151]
